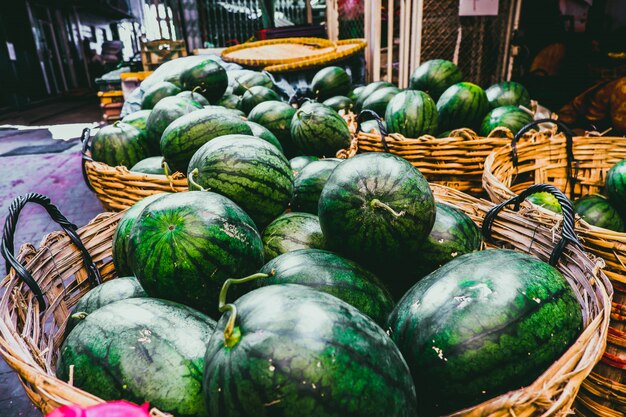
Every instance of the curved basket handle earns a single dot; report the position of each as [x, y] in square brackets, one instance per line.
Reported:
[7, 246]
[568, 234]
[372, 115]
[85, 139]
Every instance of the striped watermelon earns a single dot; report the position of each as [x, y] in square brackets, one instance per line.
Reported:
[379, 99]
[276, 117]
[225, 110]
[371, 126]
[152, 165]
[246, 79]
[598, 211]
[194, 96]
[119, 144]
[299, 162]
[506, 116]
[508, 93]
[309, 184]
[319, 130]
[256, 95]
[248, 170]
[546, 200]
[412, 114]
[330, 82]
[292, 231]
[164, 113]
[138, 119]
[434, 77]
[264, 133]
[339, 103]
[367, 91]
[208, 78]
[157, 92]
[462, 105]
[616, 185]
[230, 101]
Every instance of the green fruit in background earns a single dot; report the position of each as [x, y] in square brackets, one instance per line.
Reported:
[379, 99]
[309, 184]
[368, 90]
[511, 117]
[330, 82]
[462, 105]
[545, 200]
[616, 185]
[119, 144]
[230, 101]
[276, 116]
[152, 165]
[412, 114]
[319, 130]
[435, 76]
[264, 133]
[292, 231]
[163, 114]
[339, 103]
[508, 93]
[138, 119]
[246, 79]
[299, 162]
[256, 95]
[157, 92]
[194, 96]
[598, 211]
[208, 77]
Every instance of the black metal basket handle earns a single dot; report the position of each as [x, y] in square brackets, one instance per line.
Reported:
[8, 250]
[85, 139]
[366, 115]
[567, 236]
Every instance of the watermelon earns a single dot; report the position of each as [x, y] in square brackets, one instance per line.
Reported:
[119, 144]
[188, 133]
[141, 350]
[208, 77]
[157, 92]
[329, 272]
[296, 351]
[379, 99]
[354, 94]
[339, 103]
[545, 200]
[377, 209]
[245, 80]
[462, 105]
[276, 117]
[292, 231]
[164, 113]
[598, 211]
[329, 82]
[367, 91]
[299, 162]
[264, 133]
[483, 324]
[183, 247]
[230, 101]
[435, 76]
[511, 117]
[256, 95]
[412, 114]
[225, 110]
[194, 96]
[251, 172]
[371, 126]
[616, 185]
[318, 130]
[139, 119]
[122, 234]
[309, 184]
[508, 93]
[152, 165]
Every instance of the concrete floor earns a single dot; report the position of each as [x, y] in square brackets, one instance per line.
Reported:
[31, 161]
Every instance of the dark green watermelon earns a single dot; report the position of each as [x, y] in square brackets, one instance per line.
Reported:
[508, 93]
[371, 126]
[546, 200]
[138, 119]
[598, 211]
[208, 77]
[194, 96]
[248, 170]
[377, 209]
[119, 144]
[367, 91]
[157, 92]
[122, 234]
[379, 99]
[309, 184]
[616, 185]
[292, 231]
[187, 134]
[152, 165]
[163, 114]
[356, 91]
[140, 350]
[483, 324]
[246, 79]
[339, 103]
[330, 82]
[301, 352]
[230, 101]
[299, 162]
[264, 133]
[434, 77]
[412, 114]
[319, 130]
[462, 105]
[507, 116]
[276, 117]
[256, 95]
[183, 247]
[225, 110]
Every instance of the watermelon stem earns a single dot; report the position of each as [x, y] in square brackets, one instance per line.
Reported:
[193, 183]
[166, 168]
[117, 122]
[81, 315]
[376, 203]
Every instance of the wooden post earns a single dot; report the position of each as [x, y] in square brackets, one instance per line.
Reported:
[376, 38]
[332, 20]
[390, 21]
[407, 44]
[309, 12]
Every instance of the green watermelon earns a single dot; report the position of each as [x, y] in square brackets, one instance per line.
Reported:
[122, 234]
[616, 185]
[371, 126]
[119, 144]
[309, 184]
[301, 352]
[157, 92]
[377, 209]
[183, 247]
[598, 211]
[462, 105]
[412, 114]
[292, 231]
[379, 99]
[141, 350]
[435, 76]
[354, 94]
[152, 165]
[225, 110]
[208, 77]
[246, 79]
[276, 117]
[250, 171]
[545, 200]
[256, 95]
[507, 116]
[339, 103]
[138, 119]
[164, 113]
[188, 133]
[483, 324]
[330, 82]
[264, 133]
[319, 130]
[299, 162]
[508, 93]
[194, 96]
[367, 91]
[230, 101]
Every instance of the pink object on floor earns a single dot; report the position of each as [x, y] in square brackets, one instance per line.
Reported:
[110, 409]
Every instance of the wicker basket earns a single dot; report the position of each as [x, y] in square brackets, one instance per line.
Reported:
[33, 322]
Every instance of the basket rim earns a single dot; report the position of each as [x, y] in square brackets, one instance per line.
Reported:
[261, 62]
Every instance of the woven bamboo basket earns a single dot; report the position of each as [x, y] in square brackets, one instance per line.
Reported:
[578, 166]
[66, 265]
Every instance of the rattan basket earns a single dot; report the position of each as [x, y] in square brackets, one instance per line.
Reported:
[33, 322]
